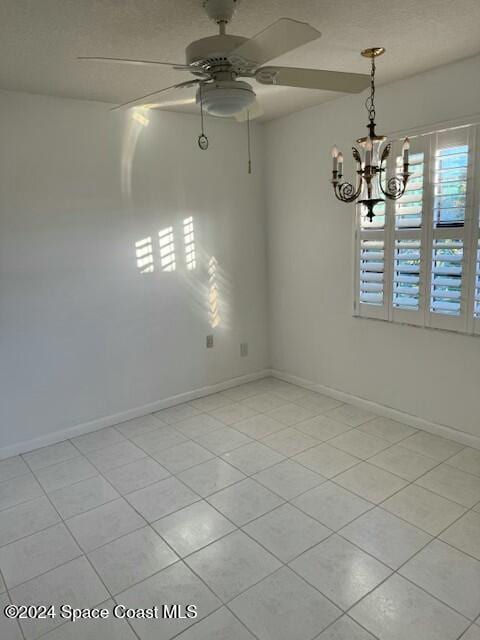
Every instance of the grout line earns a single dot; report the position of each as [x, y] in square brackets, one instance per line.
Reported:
[81, 555]
[463, 635]
[7, 593]
[52, 464]
[250, 476]
[85, 555]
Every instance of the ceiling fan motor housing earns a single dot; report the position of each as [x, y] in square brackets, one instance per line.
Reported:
[213, 50]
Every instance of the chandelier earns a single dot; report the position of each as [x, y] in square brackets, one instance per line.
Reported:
[371, 188]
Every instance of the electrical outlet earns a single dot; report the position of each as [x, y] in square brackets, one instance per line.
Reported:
[210, 342]
[244, 349]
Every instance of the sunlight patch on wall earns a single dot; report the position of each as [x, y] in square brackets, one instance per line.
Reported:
[144, 255]
[167, 249]
[169, 255]
[136, 122]
[213, 302]
[141, 118]
[189, 241]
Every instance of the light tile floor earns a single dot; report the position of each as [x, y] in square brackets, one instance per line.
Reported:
[281, 513]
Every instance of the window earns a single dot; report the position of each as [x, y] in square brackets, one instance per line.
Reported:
[419, 262]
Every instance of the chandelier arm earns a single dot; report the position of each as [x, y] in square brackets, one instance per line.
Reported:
[395, 187]
[346, 192]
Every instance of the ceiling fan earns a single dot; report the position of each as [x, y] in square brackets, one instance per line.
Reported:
[217, 62]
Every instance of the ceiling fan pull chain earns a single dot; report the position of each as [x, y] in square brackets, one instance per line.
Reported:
[202, 138]
[248, 144]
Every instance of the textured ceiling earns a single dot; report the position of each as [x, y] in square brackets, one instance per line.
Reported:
[40, 40]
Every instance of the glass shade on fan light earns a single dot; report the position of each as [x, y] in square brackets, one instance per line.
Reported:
[225, 99]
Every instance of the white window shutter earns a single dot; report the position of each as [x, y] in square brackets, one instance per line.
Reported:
[419, 261]
[476, 295]
[447, 277]
[451, 209]
[371, 267]
[407, 274]
[409, 237]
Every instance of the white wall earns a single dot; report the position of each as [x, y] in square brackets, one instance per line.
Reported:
[431, 374]
[82, 334]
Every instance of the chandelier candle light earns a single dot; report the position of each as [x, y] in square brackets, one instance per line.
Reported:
[371, 189]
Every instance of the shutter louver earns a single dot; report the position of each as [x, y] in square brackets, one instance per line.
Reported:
[408, 242]
[372, 266]
[447, 280]
[408, 210]
[406, 274]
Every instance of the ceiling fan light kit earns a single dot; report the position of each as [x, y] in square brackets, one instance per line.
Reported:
[225, 99]
[371, 189]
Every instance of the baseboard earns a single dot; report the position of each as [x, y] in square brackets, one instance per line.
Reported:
[137, 412]
[437, 429]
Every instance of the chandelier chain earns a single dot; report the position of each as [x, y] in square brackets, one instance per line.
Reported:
[370, 101]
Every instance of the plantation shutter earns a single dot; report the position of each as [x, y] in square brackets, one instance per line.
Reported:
[418, 262]
[408, 272]
[371, 289]
[476, 298]
[451, 209]
[475, 244]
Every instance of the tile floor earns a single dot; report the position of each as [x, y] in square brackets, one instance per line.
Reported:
[281, 513]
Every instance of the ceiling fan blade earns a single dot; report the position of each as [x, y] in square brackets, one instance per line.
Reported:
[142, 100]
[280, 37]
[255, 111]
[313, 79]
[133, 61]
